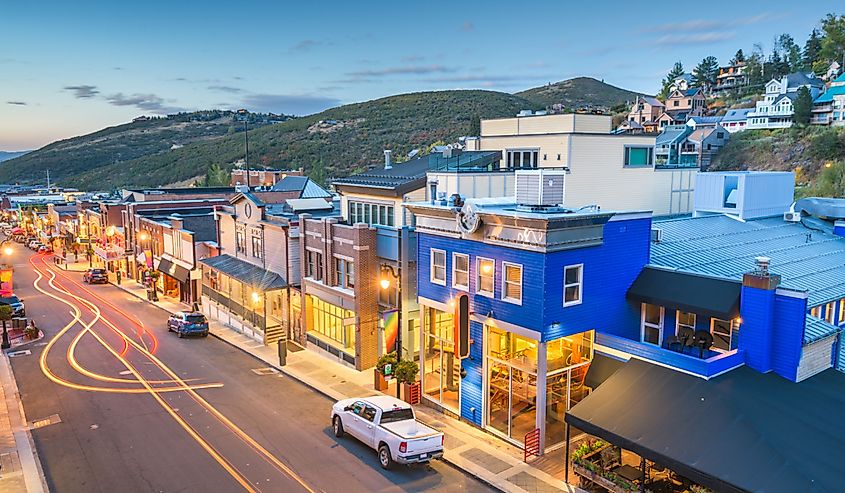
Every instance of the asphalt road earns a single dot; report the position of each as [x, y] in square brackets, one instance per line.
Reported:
[163, 414]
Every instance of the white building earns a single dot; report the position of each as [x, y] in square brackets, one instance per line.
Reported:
[776, 109]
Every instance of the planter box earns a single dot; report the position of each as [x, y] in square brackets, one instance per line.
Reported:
[379, 382]
[597, 479]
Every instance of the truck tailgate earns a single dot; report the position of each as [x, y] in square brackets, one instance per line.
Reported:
[419, 437]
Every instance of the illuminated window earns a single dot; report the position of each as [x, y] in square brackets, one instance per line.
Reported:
[486, 271]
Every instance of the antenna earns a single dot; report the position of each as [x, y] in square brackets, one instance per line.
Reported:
[48, 180]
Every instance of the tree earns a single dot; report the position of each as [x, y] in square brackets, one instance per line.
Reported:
[803, 106]
[738, 58]
[756, 67]
[5, 315]
[216, 176]
[704, 74]
[677, 71]
[831, 182]
[786, 55]
[812, 49]
[833, 43]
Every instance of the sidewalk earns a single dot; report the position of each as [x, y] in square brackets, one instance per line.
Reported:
[20, 469]
[467, 448]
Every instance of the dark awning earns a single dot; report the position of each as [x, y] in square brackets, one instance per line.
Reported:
[245, 272]
[741, 431]
[174, 270]
[687, 291]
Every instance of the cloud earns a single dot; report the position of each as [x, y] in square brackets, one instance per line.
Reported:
[17, 103]
[146, 102]
[467, 26]
[306, 45]
[229, 89]
[403, 70]
[708, 37]
[82, 92]
[289, 104]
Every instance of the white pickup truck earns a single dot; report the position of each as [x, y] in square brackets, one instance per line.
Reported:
[389, 426]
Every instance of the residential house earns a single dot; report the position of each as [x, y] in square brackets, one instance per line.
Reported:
[614, 171]
[731, 77]
[681, 83]
[683, 104]
[646, 110]
[829, 108]
[833, 71]
[697, 122]
[775, 110]
[261, 177]
[736, 119]
[705, 142]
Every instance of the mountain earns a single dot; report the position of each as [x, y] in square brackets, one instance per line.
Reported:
[335, 142]
[578, 93]
[7, 155]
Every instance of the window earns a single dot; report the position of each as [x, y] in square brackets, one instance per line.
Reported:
[460, 271]
[257, 250]
[314, 265]
[675, 102]
[332, 322]
[240, 242]
[572, 279]
[485, 273]
[841, 311]
[372, 214]
[816, 311]
[722, 331]
[652, 324]
[639, 156]
[438, 267]
[684, 320]
[344, 271]
[512, 283]
[720, 135]
[522, 158]
[828, 311]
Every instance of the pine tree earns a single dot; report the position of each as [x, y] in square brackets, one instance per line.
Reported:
[833, 43]
[803, 106]
[677, 71]
[704, 74]
[812, 48]
[738, 58]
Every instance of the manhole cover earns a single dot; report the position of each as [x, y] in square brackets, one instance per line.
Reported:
[265, 371]
[49, 420]
[24, 352]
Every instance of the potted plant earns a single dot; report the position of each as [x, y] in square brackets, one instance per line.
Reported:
[386, 366]
[406, 374]
[31, 332]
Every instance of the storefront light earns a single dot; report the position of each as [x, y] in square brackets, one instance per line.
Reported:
[7, 250]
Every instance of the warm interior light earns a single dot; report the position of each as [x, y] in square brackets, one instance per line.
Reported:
[143, 236]
[385, 283]
[738, 320]
[451, 303]
[110, 231]
[256, 297]
[486, 268]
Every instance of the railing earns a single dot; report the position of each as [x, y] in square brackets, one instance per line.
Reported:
[532, 444]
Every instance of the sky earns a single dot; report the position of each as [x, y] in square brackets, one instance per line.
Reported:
[70, 68]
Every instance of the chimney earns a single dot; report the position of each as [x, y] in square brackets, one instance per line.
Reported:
[387, 163]
[762, 264]
[761, 277]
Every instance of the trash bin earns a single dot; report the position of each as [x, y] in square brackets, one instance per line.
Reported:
[283, 352]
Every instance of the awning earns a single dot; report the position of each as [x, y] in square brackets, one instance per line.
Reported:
[245, 272]
[688, 292]
[741, 431]
[174, 270]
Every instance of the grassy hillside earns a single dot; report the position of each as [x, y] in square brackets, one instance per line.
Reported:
[577, 93]
[7, 155]
[356, 139]
[806, 150]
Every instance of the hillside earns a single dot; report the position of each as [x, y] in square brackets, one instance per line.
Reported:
[7, 155]
[806, 150]
[578, 93]
[113, 145]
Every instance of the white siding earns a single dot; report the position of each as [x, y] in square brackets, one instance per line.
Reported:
[815, 358]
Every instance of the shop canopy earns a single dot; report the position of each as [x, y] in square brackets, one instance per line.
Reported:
[174, 270]
[741, 431]
[687, 291]
[245, 272]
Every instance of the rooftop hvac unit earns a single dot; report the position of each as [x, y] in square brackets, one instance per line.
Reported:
[540, 188]
[792, 217]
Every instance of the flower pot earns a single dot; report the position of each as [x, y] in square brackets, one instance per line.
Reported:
[379, 382]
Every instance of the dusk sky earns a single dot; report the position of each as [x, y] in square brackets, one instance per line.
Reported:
[69, 68]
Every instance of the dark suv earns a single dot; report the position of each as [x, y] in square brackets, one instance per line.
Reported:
[96, 276]
[18, 308]
[188, 323]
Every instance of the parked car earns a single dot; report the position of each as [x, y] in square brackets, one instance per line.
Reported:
[18, 308]
[95, 276]
[33, 244]
[45, 249]
[389, 426]
[188, 323]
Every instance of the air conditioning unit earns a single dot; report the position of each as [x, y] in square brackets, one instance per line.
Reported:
[656, 235]
[792, 217]
[540, 188]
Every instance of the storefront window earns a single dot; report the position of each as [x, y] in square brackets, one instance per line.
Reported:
[568, 360]
[327, 320]
[512, 389]
[441, 368]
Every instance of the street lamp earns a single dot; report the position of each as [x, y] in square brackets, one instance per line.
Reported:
[387, 273]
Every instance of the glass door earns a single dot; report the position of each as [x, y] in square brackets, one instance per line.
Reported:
[441, 368]
[511, 384]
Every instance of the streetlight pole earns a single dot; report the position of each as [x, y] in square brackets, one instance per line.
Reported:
[386, 284]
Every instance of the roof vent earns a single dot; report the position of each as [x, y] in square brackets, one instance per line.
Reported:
[656, 235]
[762, 264]
[540, 188]
[387, 163]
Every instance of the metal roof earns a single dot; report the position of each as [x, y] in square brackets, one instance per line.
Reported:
[806, 258]
[245, 272]
[817, 329]
[828, 95]
[737, 114]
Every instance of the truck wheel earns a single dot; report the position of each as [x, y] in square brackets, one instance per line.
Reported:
[179, 334]
[337, 427]
[384, 457]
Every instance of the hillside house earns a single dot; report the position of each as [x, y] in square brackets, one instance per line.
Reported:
[731, 77]
[646, 110]
[829, 108]
[681, 83]
[776, 109]
[681, 105]
[736, 119]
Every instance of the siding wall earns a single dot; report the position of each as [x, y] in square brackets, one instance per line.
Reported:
[816, 358]
[757, 312]
[790, 315]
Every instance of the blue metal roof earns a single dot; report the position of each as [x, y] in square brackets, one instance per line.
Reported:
[807, 259]
[817, 329]
[737, 114]
[828, 95]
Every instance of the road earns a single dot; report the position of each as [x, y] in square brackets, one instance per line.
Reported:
[142, 410]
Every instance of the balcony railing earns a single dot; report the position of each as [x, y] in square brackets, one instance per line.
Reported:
[712, 364]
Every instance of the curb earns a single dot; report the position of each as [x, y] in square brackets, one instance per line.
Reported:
[311, 386]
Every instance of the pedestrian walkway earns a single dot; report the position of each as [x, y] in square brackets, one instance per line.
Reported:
[20, 470]
[475, 452]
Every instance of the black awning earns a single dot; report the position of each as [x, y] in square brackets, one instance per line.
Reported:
[174, 270]
[741, 431]
[245, 272]
[688, 292]
[601, 368]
